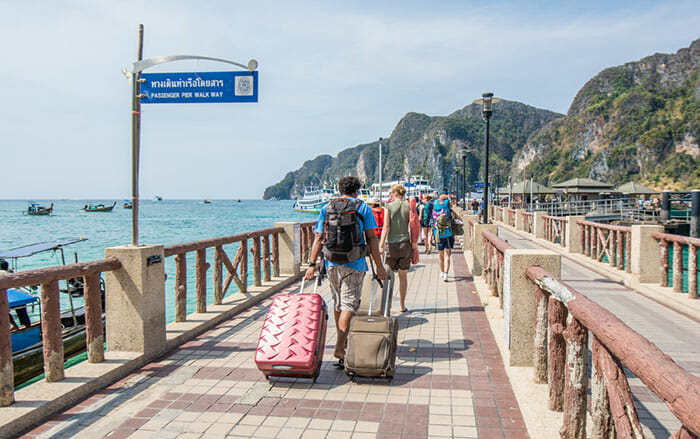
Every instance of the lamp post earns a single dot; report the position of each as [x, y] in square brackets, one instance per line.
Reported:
[456, 182]
[486, 101]
[463, 154]
[381, 202]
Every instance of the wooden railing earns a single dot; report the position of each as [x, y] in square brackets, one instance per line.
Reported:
[265, 255]
[560, 360]
[307, 240]
[528, 222]
[494, 249]
[555, 229]
[600, 241]
[511, 216]
[51, 328]
[679, 242]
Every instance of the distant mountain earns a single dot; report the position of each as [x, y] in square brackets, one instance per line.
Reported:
[426, 145]
[639, 121]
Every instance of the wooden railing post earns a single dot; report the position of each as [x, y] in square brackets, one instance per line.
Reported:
[556, 360]
[244, 266]
[275, 254]
[201, 267]
[692, 272]
[677, 267]
[603, 426]
[52, 331]
[664, 262]
[7, 375]
[575, 391]
[620, 250]
[266, 258]
[218, 276]
[181, 287]
[628, 250]
[94, 332]
[257, 279]
[540, 351]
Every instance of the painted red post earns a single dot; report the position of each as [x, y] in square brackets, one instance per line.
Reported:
[556, 360]
[201, 279]
[276, 254]
[7, 374]
[587, 248]
[218, 276]
[257, 279]
[692, 272]
[181, 287]
[664, 262]
[94, 332]
[540, 351]
[575, 391]
[52, 331]
[582, 237]
[677, 267]
[266, 258]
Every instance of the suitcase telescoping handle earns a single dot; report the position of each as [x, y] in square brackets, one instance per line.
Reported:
[388, 296]
[301, 290]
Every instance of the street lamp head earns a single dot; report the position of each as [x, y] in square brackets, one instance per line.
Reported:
[486, 102]
[252, 65]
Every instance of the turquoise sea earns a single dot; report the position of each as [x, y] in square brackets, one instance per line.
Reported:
[160, 222]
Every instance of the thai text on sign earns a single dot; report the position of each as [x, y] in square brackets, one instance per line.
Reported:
[199, 87]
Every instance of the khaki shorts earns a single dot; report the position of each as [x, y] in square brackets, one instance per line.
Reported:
[399, 256]
[346, 285]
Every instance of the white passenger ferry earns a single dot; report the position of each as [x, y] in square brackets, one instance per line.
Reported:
[415, 185]
[314, 199]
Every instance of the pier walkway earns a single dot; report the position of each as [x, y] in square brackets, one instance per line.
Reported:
[675, 334]
[450, 382]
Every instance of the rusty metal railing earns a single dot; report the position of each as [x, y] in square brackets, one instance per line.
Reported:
[528, 222]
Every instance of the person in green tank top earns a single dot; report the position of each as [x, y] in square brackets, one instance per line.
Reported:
[396, 239]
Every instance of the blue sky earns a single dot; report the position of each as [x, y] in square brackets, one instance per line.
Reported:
[332, 75]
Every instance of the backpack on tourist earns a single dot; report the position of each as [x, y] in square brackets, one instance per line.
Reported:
[443, 219]
[379, 218]
[342, 232]
[427, 217]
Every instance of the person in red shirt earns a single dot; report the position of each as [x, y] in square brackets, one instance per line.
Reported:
[378, 212]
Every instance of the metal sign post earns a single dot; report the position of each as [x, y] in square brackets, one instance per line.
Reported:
[179, 88]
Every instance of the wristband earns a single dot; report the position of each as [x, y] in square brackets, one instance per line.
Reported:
[312, 264]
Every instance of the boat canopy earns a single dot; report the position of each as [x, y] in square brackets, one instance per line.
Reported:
[32, 249]
[17, 298]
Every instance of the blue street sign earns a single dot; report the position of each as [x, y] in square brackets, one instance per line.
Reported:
[202, 87]
[480, 184]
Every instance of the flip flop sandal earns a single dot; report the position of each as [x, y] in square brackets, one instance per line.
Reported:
[340, 364]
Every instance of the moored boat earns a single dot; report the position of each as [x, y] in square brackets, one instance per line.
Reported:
[314, 199]
[36, 209]
[98, 207]
[128, 204]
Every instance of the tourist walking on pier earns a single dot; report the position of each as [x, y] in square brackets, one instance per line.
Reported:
[396, 239]
[442, 219]
[346, 265]
[426, 222]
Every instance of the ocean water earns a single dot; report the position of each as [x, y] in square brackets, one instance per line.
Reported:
[164, 222]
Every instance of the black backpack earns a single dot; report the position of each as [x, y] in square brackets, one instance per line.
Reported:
[342, 232]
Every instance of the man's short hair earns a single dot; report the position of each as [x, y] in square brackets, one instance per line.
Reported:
[349, 185]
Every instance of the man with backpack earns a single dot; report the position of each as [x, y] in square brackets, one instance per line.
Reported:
[345, 234]
[442, 215]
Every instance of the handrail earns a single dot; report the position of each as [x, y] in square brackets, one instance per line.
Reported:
[605, 226]
[175, 249]
[616, 244]
[494, 250]
[678, 241]
[679, 389]
[51, 328]
[265, 263]
[555, 227]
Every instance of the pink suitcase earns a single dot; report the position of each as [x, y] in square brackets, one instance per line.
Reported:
[293, 336]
